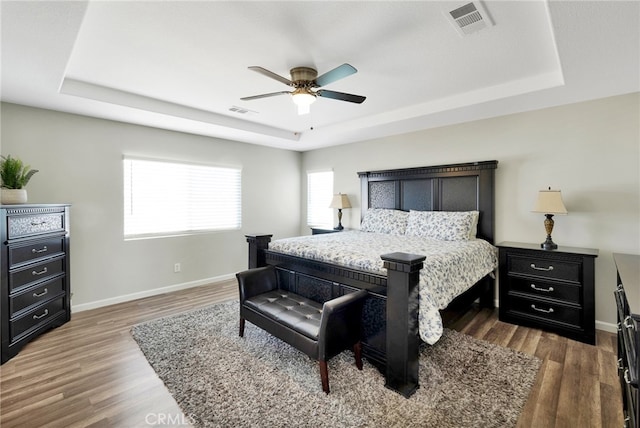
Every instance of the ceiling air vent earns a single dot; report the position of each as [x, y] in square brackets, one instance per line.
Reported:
[469, 18]
[241, 110]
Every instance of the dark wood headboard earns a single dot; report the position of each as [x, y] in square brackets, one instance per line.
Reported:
[459, 187]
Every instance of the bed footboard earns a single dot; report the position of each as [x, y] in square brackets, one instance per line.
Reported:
[391, 345]
[403, 340]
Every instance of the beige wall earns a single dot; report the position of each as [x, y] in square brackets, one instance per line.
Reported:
[590, 150]
[80, 162]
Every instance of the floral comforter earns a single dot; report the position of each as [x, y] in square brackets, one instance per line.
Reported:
[451, 267]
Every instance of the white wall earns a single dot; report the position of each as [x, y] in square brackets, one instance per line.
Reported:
[80, 162]
[590, 150]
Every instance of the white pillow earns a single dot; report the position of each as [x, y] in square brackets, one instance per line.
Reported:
[381, 220]
[443, 225]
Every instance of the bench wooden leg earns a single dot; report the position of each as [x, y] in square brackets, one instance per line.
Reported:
[324, 376]
[241, 332]
[357, 350]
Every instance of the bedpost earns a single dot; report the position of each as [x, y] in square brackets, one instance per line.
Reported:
[403, 275]
[257, 245]
[487, 298]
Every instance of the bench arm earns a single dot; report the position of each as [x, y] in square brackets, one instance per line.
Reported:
[341, 323]
[256, 281]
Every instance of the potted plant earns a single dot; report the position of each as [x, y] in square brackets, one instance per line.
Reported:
[14, 175]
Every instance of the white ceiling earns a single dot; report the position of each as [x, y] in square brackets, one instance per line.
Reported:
[183, 65]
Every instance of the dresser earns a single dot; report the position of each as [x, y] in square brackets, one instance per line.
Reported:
[627, 296]
[34, 282]
[552, 290]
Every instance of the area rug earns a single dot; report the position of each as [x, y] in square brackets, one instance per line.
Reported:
[221, 380]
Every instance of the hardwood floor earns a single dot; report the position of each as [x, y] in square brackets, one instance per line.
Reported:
[91, 373]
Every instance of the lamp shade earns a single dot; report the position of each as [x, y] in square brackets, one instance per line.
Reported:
[340, 201]
[549, 202]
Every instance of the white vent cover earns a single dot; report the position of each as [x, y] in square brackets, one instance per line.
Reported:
[469, 18]
[241, 110]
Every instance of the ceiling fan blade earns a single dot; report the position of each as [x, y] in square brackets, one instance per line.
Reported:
[272, 94]
[341, 96]
[337, 73]
[271, 74]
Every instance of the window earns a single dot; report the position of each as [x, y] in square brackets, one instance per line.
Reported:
[319, 194]
[171, 198]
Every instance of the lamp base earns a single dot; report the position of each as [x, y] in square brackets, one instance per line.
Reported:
[339, 226]
[549, 245]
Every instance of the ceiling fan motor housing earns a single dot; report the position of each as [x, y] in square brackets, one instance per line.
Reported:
[303, 74]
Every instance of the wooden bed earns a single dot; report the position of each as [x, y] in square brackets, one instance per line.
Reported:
[390, 315]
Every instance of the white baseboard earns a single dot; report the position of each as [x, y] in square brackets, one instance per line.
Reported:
[606, 326]
[600, 325]
[133, 296]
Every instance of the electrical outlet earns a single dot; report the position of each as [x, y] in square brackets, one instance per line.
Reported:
[177, 267]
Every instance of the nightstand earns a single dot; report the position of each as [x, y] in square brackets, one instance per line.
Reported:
[320, 230]
[549, 289]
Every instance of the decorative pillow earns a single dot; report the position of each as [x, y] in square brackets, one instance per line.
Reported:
[443, 225]
[381, 220]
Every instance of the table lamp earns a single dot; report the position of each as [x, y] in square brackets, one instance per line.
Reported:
[549, 203]
[340, 201]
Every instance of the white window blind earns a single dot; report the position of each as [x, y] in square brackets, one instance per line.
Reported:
[319, 195]
[168, 198]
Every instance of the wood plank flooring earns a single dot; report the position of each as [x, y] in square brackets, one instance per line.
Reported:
[91, 373]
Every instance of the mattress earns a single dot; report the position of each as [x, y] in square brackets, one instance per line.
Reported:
[450, 267]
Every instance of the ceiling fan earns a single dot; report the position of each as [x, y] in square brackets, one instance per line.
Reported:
[304, 81]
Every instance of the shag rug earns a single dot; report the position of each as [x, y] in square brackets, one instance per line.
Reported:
[221, 380]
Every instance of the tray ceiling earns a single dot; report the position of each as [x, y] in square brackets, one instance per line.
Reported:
[183, 65]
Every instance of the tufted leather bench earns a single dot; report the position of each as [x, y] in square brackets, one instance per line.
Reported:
[319, 330]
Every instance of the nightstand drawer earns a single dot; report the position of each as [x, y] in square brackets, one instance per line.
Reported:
[552, 290]
[546, 311]
[545, 268]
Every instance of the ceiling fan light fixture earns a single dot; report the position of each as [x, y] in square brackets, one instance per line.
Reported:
[303, 98]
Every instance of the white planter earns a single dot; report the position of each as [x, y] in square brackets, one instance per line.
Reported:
[13, 196]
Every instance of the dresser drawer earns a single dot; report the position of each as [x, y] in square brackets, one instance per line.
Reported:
[552, 290]
[35, 250]
[542, 310]
[36, 317]
[545, 268]
[34, 224]
[35, 272]
[36, 295]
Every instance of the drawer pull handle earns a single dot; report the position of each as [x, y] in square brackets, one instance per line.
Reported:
[627, 322]
[45, 291]
[547, 269]
[44, 314]
[43, 271]
[620, 366]
[546, 290]
[38, 223]
[41, 250]
[626, 376]
[546, 311]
